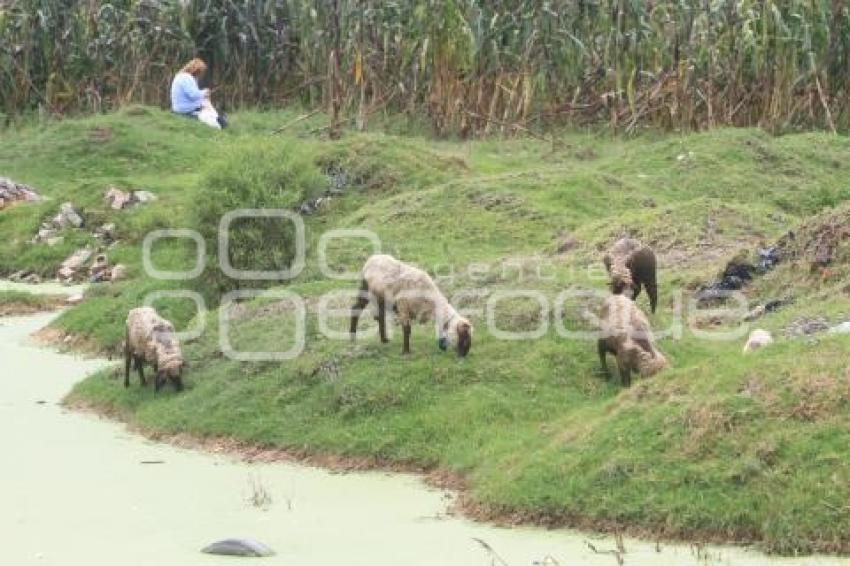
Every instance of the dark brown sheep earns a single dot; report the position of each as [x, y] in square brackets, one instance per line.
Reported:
[632, 266]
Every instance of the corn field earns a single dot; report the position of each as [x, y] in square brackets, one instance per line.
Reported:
[470, 67]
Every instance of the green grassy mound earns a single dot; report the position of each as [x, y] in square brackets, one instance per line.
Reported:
[720, 446]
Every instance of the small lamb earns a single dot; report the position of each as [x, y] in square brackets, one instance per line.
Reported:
[150, 338]
[413, 296]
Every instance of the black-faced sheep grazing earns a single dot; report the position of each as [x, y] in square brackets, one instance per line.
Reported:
[150, 338]
[413, 296]
[626, 334]
[631, 266]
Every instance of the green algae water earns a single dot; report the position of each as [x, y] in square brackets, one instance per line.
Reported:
[79, 490]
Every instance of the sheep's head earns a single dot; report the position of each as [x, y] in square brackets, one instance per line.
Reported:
[170, 366]
[621, 282]
[458, 333]
[650, 363]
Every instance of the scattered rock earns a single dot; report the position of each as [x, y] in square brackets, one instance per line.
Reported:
[12, 192]
[75, 299]
[238, 547]
[770, 306]
[105, 232]
[118, 199]
[54, 241]
[768, 258]
[806, 327]
[843, 328]
[142, 197]
[118, 273]
[25, 276]
[758, 339]
[757, 312]
[99, 270]
[68, 216]
[49, 231]
[69, 268]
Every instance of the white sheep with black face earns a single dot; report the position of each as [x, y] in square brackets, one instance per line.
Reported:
[150, 339]
[625, 333]
[414, 297]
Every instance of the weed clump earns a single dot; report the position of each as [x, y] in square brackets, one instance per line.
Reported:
[269, 175]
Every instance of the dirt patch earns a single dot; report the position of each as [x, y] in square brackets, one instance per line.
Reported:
[51, 337]
[817, 397]
[46, 304]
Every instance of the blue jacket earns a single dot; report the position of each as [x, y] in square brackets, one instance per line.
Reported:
[186, 97]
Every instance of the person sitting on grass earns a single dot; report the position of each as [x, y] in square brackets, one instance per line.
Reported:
[187, 99]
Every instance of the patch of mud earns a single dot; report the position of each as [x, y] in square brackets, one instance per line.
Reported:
[46, 304]
[69, 342]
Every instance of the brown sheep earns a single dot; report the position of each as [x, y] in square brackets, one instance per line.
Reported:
[413, 296]
[632, 266]
[626, 334]
[150, 338]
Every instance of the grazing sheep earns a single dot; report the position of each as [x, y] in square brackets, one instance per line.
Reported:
[413, 296]
[150, 338]
[627, 335]
[758, 339]
[631, 265]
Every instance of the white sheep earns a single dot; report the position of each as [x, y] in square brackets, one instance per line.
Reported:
[413, 296]
[625, 333]
[150, 338]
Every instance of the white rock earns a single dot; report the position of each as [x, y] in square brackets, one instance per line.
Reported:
[758, 339]
[843, 328]
[75, 299]
[143, 197]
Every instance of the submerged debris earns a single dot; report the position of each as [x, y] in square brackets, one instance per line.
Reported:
[238, 547]
[12, 192]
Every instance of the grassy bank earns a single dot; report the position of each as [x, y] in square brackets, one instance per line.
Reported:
[721, 446]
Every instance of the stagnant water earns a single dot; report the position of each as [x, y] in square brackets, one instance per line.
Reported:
[78, 490]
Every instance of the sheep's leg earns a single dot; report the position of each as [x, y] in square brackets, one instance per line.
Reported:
[127, 361]
[652, 291]
[625, 374]
[140, 363]
[405, 329]
[357, 309]
[603, 350]
[158, 382]
[382, 319]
